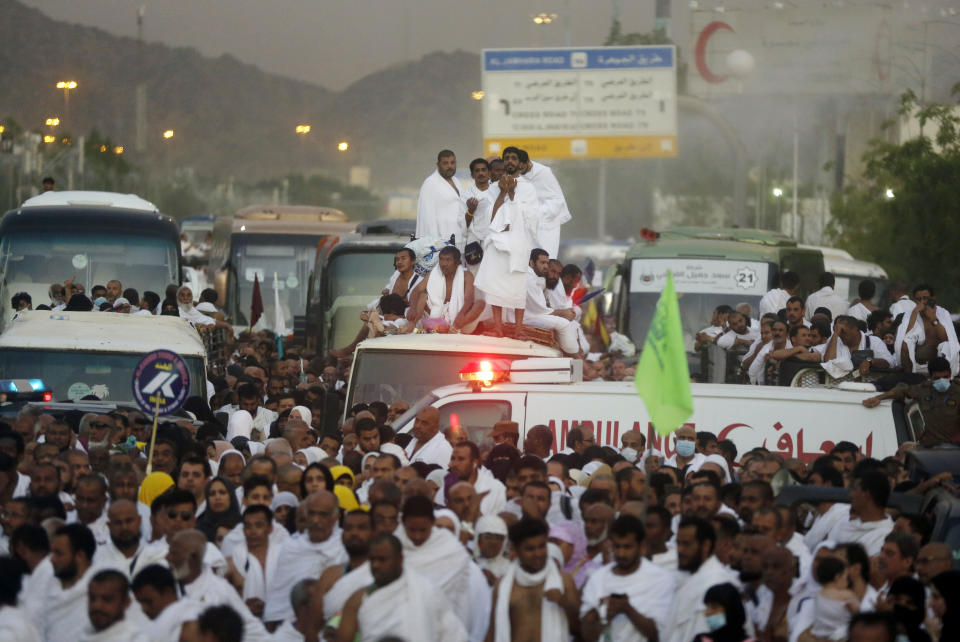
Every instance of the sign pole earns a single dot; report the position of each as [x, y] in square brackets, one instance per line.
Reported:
[153, 435]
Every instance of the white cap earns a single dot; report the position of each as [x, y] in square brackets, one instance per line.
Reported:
[206, 306]
[491, 524]
[120, 301]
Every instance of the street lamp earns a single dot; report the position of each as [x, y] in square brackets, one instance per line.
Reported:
[49, 139]
[543, 18]
[777, 192]
[52, 122]
[66, 86]
[118, 150]
[343, 146]
[888, 194]
[303, 129]
[477, 95]
[168, 134]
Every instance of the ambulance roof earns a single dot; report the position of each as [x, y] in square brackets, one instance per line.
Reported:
[468, 343]
[101, 332]
[699, 391]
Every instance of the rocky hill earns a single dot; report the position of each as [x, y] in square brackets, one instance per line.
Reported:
[231, 118]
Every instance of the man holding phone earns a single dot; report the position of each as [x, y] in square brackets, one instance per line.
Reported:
[630, 599]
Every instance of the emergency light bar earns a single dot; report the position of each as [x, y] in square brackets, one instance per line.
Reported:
[24, 390]
[485, 372]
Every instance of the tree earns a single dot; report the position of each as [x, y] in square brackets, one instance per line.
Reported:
[904, 212]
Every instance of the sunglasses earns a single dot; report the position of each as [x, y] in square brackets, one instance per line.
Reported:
[185, 515]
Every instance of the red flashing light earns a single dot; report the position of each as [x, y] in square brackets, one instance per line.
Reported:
[485, 372]
[649, 235]
[48, 396]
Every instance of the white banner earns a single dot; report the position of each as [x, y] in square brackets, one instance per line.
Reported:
[696, 276]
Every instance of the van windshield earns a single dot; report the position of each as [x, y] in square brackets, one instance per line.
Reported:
[396, 375]
[290, 258]
[701, 286]
[71, 376]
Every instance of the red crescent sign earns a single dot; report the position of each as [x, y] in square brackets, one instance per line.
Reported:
[700, 53]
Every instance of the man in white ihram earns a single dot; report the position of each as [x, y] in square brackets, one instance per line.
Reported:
[539, 313]
[445, 300]
[199, 583]
[428, 444]
[399, 603]
[440, 209]
[506, 253]
[553, 205]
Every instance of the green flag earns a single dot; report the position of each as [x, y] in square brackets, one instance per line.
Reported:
[662, 377]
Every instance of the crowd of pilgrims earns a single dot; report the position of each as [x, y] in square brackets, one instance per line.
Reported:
[267, 517]
[263, 518]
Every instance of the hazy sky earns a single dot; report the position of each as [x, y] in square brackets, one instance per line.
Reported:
[335, 42]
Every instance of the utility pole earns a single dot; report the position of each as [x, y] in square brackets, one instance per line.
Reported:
[140, 98]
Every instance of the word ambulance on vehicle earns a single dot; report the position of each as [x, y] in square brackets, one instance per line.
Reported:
[802, 423]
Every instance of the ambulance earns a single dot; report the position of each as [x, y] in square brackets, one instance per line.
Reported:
[802, 423]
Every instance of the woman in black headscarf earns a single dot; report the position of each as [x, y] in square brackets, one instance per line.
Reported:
[945, 602]
[79, 303]
[725, 615]
[223, 509]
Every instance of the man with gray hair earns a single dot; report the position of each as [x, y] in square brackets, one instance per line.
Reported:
[308, 622]
[317, 547]
[200, 583]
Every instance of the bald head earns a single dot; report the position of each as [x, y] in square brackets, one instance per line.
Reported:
[933, 559]
[417, 486]
[460, 499]
[120, 508]
[192, 541]
[427, 424]
[322, 513]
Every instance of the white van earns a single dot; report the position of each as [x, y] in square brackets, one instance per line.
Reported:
[404, 367]
[795, 422]
[77, 354]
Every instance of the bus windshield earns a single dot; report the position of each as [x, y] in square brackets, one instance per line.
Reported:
[280, 262]
[701, 286]
[359, 273]
[32, 259]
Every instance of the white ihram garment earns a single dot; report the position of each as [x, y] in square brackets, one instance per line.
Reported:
[539, 313]
[949, 349]
[649, 589]
[773, 301]
[440, 210]
[842, 364]
[122, 631]
[168, 624]
[255, 576]
[299, 559]
[824, 525]
[15, 625]
[444, 562]
[61, 615]
[825, 297]
[210, 590]
[687, 617]
[409, 608]
[436, 451]
[506, 253]
[342, 589]
[480, 223]
[553, 207]
[869, 535]
[553, 619]
[440, 308]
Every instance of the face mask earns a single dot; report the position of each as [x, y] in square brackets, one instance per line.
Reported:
[685, 447]
[941, 385]
[716, 621]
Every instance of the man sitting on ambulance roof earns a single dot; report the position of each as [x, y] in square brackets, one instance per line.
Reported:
[538, 313]
[717, 324]
[445, 300]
